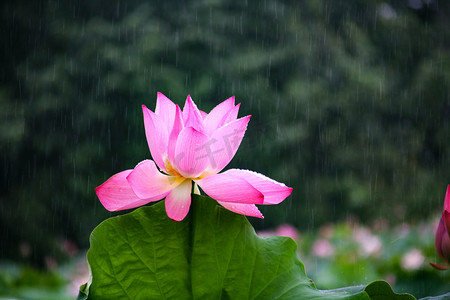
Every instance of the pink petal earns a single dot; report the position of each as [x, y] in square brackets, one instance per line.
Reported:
[116, 194]
[223, 144]
[177, 127]
[192, 116]
[229, 188]
[439, 267]
[445, 239]
[165, 109]
[147, 182]
[157, 136]
[190, 157]
[179, 200]
[446, 248]
[447, 199]
[439, 235]
[243, 209]
[232, 115]
[274, 192]
[203, 114]
[446, 218]
[216, 118]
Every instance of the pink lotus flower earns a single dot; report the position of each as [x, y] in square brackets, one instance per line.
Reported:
[442, 241]
[412, 260]
[190, 146]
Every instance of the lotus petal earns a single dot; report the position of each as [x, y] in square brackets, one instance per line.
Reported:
[116, 194]
[147, 182]
[229, 188]
[243, 209]
[274, 192]
[157, 136]
[190, 159]
[179, 200]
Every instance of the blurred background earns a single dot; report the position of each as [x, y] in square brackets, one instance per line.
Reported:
[350, 105]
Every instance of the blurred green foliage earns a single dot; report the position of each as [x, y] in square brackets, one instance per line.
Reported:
[335, 255]
[349, 100]
[350, 253]
[22, 282]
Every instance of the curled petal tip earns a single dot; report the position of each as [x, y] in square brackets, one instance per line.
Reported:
[116, 194]
[247, 118]
[244, 209]
[439, 267]
[228, 188]
[260, 216]
[231, 100]
[274, 192]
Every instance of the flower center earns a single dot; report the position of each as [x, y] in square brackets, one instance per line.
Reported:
[169, 169]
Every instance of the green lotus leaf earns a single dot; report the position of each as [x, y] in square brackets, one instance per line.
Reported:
[212, 254]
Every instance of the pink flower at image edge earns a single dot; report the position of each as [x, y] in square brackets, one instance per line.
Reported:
[190, 147]
[442, 241]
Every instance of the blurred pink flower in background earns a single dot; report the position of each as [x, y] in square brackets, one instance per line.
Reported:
[322, 248]
[390, 278]
[327, 230]
[50, 262]
[69, 247]
[369, 244]
[77, 276]
[412, 260]
[190, 147]
[287, 230]
[266, 233]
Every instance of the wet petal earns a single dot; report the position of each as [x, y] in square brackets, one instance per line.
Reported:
[179, 200]
[274, 192]
[116, 194]
[232, 115]
[192, 116]
[190, 157]
[147, 182]
[157, 136]
[216, 118]
[242, 209]
[223, 144]
[165, 109]
[229, 188]
[177, 127]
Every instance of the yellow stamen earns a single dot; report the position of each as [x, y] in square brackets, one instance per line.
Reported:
[169, 169]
